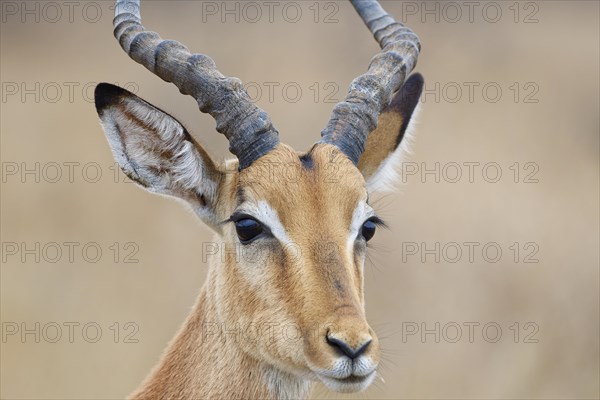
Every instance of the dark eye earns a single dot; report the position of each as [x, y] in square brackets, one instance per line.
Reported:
[368, 230]
[247, 229]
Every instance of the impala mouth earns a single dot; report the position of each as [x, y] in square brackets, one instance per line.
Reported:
[350, 384]
[352, 379]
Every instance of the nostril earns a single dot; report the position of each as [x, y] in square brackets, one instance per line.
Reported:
[346, 349]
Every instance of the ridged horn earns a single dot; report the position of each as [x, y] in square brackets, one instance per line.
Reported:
[354, 118]
[247, 127]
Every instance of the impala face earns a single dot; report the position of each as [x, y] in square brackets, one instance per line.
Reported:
[294, 229]
[301, 224]
[294, 226]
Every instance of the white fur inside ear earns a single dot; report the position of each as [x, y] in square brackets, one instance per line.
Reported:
[152, 147]
[387, 176]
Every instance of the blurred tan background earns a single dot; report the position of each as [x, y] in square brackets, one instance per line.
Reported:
[533, 69]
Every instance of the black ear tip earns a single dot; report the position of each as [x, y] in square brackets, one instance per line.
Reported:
[406, 99]
[106, 94]
[414, 83]
[417, 75]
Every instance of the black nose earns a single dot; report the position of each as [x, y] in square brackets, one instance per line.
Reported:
[346, 349]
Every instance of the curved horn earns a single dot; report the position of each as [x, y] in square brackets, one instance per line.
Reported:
[353, 119]
[247, 127]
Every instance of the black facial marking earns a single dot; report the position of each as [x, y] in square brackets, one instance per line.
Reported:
[307, 161]
[339, 286]
[240, 196]
[201, 199]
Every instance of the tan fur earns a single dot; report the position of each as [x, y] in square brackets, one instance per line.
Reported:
[267, 318]
[308, 291]
[303, 275]
[380, 143]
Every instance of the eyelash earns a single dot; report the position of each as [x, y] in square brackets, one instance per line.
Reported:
[237, 216]
[377, 221]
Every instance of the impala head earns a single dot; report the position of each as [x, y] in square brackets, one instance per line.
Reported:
[294, 225]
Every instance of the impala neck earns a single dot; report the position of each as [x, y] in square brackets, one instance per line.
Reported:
[198, 363]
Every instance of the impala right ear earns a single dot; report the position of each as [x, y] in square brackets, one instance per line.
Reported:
[154, 150]
[386, 145]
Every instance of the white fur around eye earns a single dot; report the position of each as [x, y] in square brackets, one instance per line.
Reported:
[361, 213]
[266, 214]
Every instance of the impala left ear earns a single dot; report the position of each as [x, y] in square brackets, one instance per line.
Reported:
[157, 152]
[382, 157]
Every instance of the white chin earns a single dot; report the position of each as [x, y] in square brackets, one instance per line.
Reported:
[348, 385]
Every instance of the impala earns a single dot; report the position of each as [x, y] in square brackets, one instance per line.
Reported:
[283, 303]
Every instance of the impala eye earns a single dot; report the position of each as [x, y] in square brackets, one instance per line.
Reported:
[247, 229]
[368, 229]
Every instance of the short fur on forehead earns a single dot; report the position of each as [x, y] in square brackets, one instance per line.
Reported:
[285, 179]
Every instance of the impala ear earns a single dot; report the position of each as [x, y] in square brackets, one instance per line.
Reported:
[385, 146]
[154, 150]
